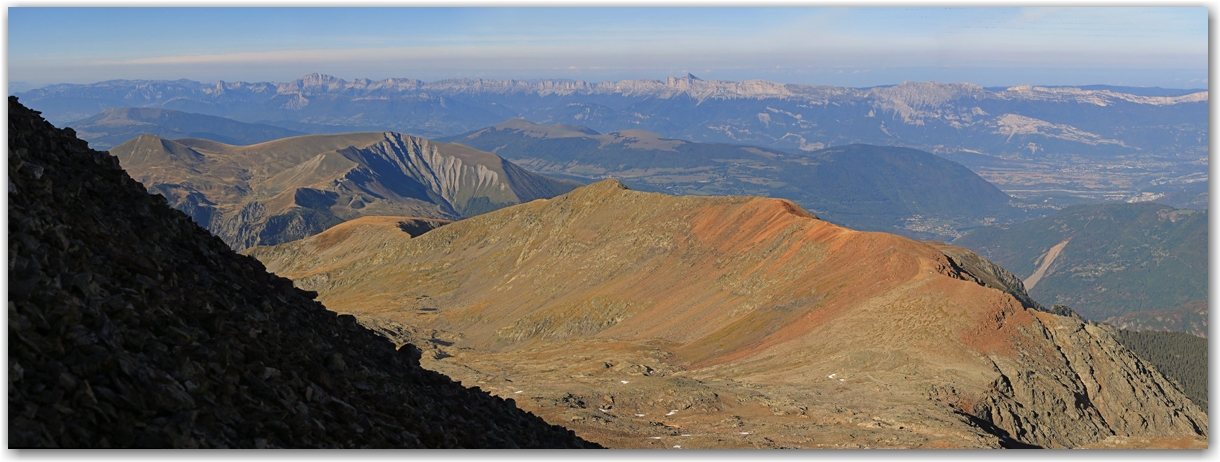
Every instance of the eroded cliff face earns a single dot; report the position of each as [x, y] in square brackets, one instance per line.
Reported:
[131, 326]
[296, 187]
[626, 313]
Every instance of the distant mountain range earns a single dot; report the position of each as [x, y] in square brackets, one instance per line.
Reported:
[1137, 91]
[643, 319]
[878, 188]
[942, 118]
[1105, 260]
[117, 125]
[866, 187]
[294, 187]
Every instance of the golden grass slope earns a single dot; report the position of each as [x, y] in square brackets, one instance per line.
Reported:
[630, 299]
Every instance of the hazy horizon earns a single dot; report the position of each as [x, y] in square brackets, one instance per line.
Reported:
[25, 86]
[853, 47]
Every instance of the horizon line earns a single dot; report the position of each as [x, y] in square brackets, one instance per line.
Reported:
[664, 80]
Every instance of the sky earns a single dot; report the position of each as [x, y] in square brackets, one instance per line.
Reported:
[857, 47]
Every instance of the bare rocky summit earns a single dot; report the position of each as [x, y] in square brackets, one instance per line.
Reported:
[646, 320]
[130, 326]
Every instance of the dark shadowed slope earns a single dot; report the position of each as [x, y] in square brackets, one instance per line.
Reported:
[130, 326]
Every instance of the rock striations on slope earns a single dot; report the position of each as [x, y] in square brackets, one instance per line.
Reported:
[639, 319]
[130, 326]
[290, 188]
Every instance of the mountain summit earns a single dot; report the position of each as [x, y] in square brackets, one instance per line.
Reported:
[742, 322]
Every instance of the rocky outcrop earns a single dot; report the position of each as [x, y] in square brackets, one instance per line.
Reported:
[988, 274]
[1091, 386]
[130, 326]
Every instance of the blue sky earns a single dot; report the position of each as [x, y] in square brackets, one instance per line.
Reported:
[831, 46]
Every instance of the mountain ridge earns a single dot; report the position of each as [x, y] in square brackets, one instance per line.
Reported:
[636, 315]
